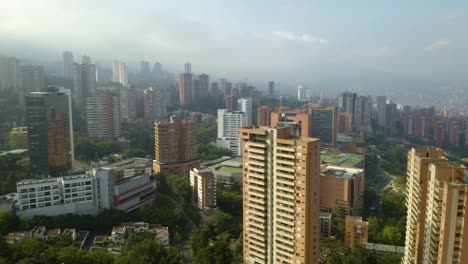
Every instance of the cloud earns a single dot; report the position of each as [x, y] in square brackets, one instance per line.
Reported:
[291, 36]
[441, 43]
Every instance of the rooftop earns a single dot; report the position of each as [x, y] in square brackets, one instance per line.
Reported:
[128, 163]
[36, 181]
[340, 172]
[233, 165]
[341, 159]
[14, 152]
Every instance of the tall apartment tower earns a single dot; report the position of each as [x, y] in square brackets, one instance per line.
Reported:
[32, 80]
[203, 184]
[381, 110]
[128, 103]
[85, 59]
[281, 202]
[324, 123]
[68, 64]
[48, 119]
[188, 68]
[155, 106]
[362, 114]
[229, 124]
[271, 89]
[301, 93]
[204, 80]
[175, 143]
[437, 196]
[263, 116]
[185, 88]
[84, 81]
[103, 115]
[8, 73]
[245, 105]
[144, 67]
[119, 72]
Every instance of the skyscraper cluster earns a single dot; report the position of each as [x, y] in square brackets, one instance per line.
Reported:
[355, 112]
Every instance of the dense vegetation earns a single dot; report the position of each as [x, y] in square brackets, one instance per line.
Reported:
[220, 239]
[207, 134]
[58, 250]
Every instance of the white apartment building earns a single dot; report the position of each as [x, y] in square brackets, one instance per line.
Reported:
[124, 185]
[55, 196]
[228, 130]
[120, 74]
[203, 185]
[245, 105]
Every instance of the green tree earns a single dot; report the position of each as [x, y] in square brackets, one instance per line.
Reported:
[99, 257]
[71, 255]
[338, 222]
[150, 251]
[391, 235]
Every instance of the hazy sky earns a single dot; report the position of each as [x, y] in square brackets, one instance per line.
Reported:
[286, 40]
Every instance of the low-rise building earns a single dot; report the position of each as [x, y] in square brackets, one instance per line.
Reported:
[325, 224]
[125, 185]
[356, 231]
[341, 186]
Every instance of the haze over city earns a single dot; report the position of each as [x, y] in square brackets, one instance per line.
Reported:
[415, 45]
[232, 132]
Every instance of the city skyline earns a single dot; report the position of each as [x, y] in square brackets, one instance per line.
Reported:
[297, 43]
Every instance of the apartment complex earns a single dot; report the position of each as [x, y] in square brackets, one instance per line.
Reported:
[229, 124]
[9, 73]
[341, 186]
[119, 72]
[32, 80]
[245, 105]
[50, 140]
[356, 231]
[281, 202]
[68, 64]
[128, 103]
[185, 87]
[125, 185]
[203, 184]
[317, 122]
[271, 89]
[103, 115]
[263, 116]
[175, 142]
[436, 200]
[324, 124]
[155, 105]
[84, 82]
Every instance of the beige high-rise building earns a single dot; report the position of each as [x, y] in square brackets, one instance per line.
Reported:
[175, 142]
[281, 196]
[436, 201]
